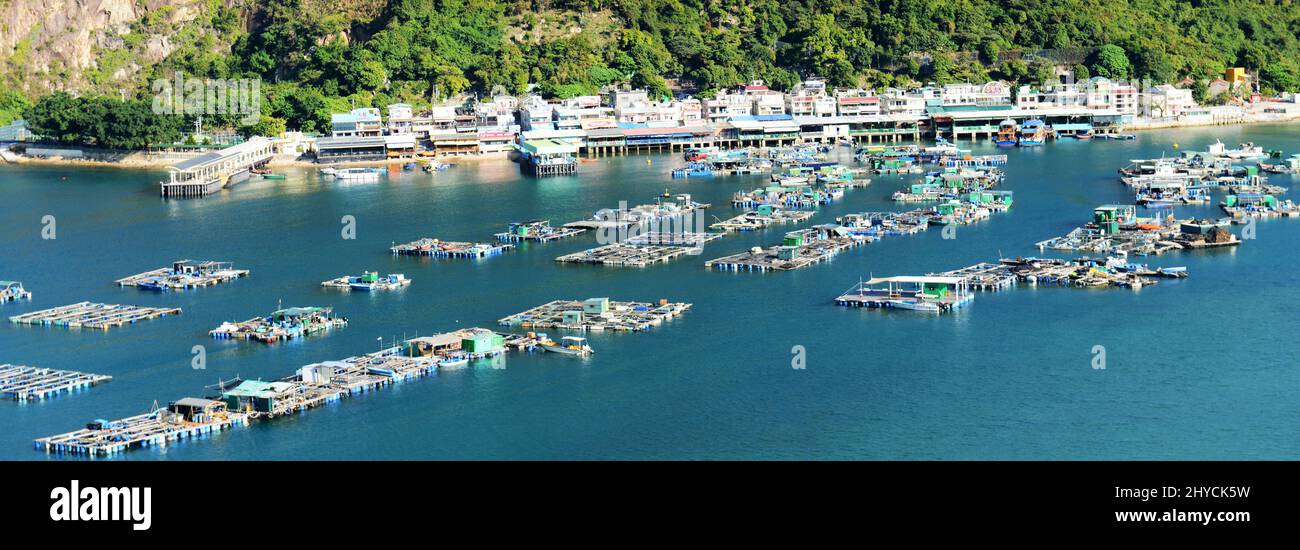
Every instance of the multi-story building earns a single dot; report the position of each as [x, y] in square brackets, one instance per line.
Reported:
[400, 119]
[857, 103]
[897, 101]
[1166, 100]
[726, 105]
[364, 122]
[983, 95]
[1097, 94]
[810, 99]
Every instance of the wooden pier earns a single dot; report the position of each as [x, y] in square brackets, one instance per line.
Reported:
[596, 314]
[449, 249]
[25, 383]
[92, 315]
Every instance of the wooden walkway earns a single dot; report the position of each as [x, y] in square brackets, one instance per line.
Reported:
[25, 383]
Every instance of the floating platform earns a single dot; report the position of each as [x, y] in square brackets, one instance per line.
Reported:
[622, 254]
[754, 220]
[92, 315]
[12, 291]
[799, 249]
[663, 238]
[189, 418]
[280, 325]
[450, 249]
[596, 314]
[184, 274]
[313, 385]
[25, 383]
[537, 231]
[368, 281]
[931, 294]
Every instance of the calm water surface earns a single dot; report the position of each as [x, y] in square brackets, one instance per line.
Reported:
[1200, 368]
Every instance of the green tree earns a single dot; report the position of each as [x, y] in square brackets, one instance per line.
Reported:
[1111, 62]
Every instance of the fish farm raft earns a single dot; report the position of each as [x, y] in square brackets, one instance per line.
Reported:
[12, 291]
[92, 315]
[282, 324]
[448, 249]
[184, 274]
[25, 383]
[596, 314]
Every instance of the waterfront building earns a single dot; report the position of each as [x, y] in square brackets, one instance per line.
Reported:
[363, 122]
[857, 102]
[400, 119]
[1166, 100]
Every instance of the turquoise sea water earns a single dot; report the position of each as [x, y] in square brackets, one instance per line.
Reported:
[1200, 368]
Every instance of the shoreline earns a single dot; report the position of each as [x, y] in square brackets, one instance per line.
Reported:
[300, 162]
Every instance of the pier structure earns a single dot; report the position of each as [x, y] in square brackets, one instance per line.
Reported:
[596, 314]
[24, 383]
[184, 274]
[548, 157]
[211, 172]
[449, 249]
[92, 315]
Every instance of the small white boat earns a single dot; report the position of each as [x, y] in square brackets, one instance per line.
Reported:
[351, 174]
[454, 361]
[569, 345]
[915, 306]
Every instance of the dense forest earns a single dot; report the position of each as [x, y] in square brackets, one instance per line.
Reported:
[319, 57]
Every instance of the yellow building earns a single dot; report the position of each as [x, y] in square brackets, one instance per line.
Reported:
[1235, 75]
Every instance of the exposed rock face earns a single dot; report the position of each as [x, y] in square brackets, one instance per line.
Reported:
[51, 44]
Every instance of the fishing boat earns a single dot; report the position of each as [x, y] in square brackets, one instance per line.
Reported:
[1032, 133]
[155, 284]
[408, 167]
[569, 345]
[1244, 151]
[1006, 134]
[435, 166]
[1085, 134]
[454, 361]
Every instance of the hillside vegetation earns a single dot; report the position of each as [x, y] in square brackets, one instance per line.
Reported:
[318, 56]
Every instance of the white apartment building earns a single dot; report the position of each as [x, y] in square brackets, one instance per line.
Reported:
[726, 105]
[987, 94]
[400, 118]
[897, 101]
[1166, 100]
[1097, 94]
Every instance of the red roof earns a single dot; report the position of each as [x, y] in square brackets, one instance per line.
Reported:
[859, 100]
